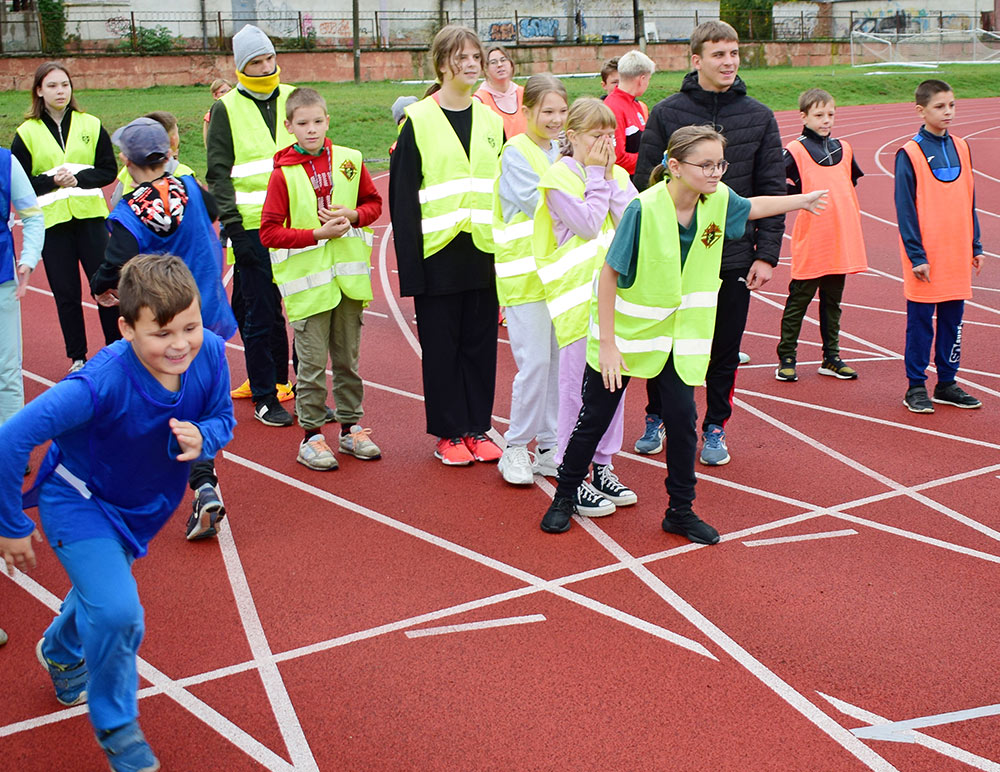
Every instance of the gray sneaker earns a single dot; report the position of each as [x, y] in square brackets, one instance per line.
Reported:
[917, 401]
[955, 395]
[714, 451]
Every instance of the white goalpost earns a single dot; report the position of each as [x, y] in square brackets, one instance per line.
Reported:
[930, 47]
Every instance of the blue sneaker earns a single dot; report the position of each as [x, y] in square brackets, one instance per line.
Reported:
[70, 681]
[127, 749]
[714, 451]
[652, 439]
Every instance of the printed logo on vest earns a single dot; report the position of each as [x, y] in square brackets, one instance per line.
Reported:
[711, 234]
[85, 138]
[348, 169]
[492, 141]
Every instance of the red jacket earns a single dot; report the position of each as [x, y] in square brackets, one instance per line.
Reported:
[274, 230]
[630, 120]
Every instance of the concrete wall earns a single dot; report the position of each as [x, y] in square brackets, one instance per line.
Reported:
[91, 72]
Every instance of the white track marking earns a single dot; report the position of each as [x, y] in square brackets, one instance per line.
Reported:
[931, 743]
[208, 715]
[390, 298]
[469, 626]
[801, 537]
[901, 731]
[755, 667]
[281, 704]
[462, 551]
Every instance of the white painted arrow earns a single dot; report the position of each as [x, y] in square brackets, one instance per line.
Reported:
[902, 731]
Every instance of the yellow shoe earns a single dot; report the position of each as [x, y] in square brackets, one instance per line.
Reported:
[242, 391]
[285, 392]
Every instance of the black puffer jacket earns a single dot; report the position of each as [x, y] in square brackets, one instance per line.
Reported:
[753, 150]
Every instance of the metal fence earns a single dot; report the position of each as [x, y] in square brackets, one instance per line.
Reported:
[150, 33]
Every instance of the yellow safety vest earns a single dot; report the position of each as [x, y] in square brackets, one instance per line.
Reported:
[64, 204]
[311, 279]
[517, 274]
[128, 184]
[669, 308]
[253, 150]
[567, 272]
[456, 193]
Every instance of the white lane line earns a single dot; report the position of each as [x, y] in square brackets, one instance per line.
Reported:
[467, 627]
[163, 684]
[274, 686]
[755, 667]
[801, 537]
[931, 743]
[390, 298]
[901, 731]
[476, 557]
[869, 472]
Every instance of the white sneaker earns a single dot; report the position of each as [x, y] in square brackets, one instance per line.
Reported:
[76, 366]
[316, 454]
[515, 465]
[590, 503]
[358, 443]
[545, 463]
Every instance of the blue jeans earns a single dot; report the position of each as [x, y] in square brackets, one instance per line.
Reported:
[102, 622]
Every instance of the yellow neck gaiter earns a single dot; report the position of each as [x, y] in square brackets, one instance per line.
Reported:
[264, 84]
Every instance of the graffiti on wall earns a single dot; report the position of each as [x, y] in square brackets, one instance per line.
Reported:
[530, 27]
[502, 31]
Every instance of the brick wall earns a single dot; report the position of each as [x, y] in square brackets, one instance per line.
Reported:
[92, 72]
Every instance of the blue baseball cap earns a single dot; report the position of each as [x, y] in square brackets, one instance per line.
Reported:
[143, 141]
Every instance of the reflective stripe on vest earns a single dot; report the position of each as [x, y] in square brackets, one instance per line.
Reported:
[254, 149]
[832, 243]
[944, 213]
[312, 279]
[668, 309]
[517, 277]
[64, 204]
[456, 192]
[567, 272]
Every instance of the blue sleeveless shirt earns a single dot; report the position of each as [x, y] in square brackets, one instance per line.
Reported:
[6, 238]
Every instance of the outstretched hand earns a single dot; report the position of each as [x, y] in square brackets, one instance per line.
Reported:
[816, 201]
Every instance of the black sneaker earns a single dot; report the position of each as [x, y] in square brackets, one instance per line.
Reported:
[270, 412]
[687, 524]
[786, 370]
[559, 516]
[606, 483]
[836, 367]
[953, 394]
[207, 512]
[916, 400]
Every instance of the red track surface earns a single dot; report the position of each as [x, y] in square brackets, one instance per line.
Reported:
[286, 643]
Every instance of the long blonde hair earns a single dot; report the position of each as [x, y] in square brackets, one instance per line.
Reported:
[681, 145]
[587, 114]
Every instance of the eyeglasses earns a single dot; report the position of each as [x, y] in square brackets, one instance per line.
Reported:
[708, 168]
[497, 62]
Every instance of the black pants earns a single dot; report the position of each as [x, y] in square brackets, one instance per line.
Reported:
[679, 421]
[720, 381]
[69, 245]
[202, 472]
[265, 340]
[458, 337]
[800, 295]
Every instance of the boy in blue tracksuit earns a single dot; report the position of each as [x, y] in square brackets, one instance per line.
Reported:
[124, 429]
[167, 215]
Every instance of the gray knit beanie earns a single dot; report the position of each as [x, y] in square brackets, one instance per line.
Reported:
[400, 105]
[248, 43]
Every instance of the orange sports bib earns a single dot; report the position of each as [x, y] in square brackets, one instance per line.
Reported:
[831, 243]
[944, 212]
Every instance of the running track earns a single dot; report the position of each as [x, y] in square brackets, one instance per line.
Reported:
[401, 615]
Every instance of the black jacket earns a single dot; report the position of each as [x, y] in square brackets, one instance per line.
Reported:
[753, 150]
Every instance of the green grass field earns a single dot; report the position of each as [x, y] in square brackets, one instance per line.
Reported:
[360, 115]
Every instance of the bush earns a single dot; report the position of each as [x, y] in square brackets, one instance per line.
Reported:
[53, 17]
[156, 40]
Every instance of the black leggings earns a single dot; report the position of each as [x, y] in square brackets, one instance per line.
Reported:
[679, 421]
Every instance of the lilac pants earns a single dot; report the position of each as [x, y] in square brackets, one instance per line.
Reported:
[572, 363]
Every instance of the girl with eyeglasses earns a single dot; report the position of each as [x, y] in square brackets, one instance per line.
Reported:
[501, 94]
[653, 314]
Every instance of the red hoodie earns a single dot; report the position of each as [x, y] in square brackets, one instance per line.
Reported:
[274, 230]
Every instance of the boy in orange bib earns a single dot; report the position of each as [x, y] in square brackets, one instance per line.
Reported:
[939, 247]
[824, 249]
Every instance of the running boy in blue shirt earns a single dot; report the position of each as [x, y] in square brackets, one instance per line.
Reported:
[123, 429]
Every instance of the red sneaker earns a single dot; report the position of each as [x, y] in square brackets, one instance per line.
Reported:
[453, 452]
[482, 447]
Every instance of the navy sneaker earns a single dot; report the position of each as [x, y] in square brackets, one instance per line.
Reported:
[127, 749]
[953, 394]
[651, 441]
[917, 401]
[70, 681]
[207, 512]
[714, 451]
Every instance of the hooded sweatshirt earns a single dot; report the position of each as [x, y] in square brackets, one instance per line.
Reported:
[274, 219]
